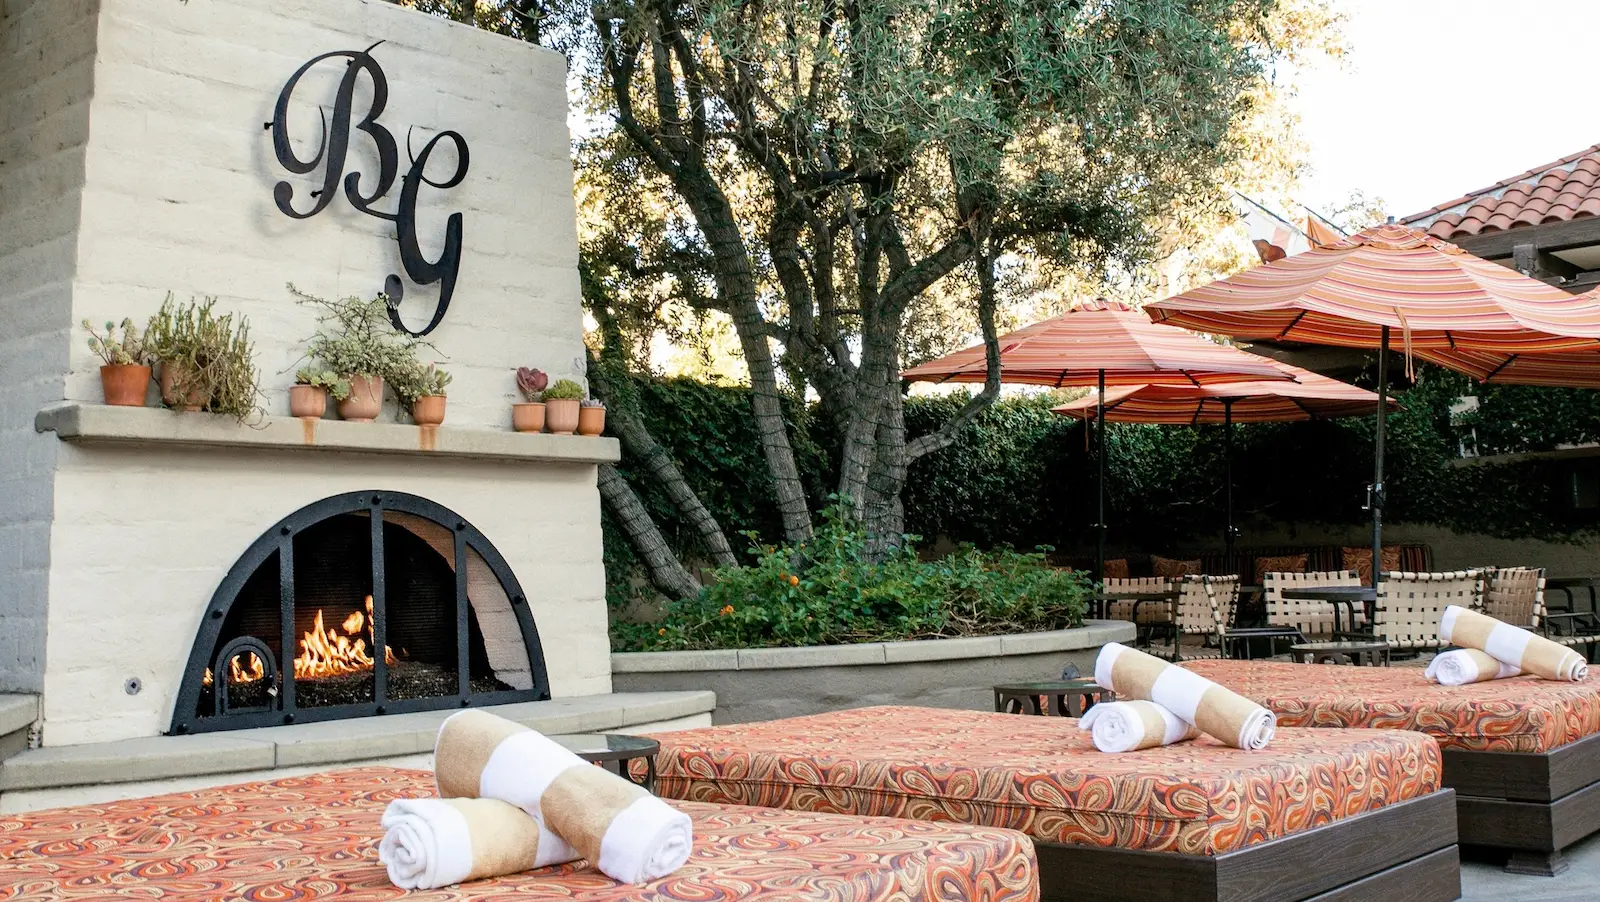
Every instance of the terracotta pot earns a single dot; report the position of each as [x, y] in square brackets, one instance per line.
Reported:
[308, 401]
[561, 415]
[591, 420]
[171, 375]
[365, 401]
[124, 384]
[428, 410]
[528, 416]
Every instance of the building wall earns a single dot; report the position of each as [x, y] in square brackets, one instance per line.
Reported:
[178, 197]
[47, 50]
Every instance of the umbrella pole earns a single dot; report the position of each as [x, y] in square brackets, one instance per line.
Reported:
[1100, 482]
[1227, 455]
[1376, 492]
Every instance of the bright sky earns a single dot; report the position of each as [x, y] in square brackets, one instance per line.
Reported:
[1441, 97]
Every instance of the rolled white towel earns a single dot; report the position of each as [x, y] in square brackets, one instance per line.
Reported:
[429, 843]
[1467, 665]
[1512, 645]
[1133, 725]
[1216, 711]
[623, 830]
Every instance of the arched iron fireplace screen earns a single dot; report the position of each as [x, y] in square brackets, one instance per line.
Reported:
[443, 623]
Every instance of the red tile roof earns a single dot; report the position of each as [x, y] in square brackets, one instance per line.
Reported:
[1568, 188]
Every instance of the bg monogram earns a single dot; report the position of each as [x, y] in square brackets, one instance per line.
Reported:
[335, 144]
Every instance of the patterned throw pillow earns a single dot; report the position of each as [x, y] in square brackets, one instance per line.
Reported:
[1291, 563]
[1116, 569]
[1360, 560]
[1167, 568]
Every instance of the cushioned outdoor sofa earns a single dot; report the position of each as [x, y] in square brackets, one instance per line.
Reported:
[317, 837]
[1523, 755]
[1319, 814]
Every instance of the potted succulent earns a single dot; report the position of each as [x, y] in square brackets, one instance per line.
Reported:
[308, 397]
[561, 406]
[528, 416]
[356, 341]
[207, 361]
[125, 375]
[422, 391]
[591, 417]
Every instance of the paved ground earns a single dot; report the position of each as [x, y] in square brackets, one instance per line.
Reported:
[1482, 880]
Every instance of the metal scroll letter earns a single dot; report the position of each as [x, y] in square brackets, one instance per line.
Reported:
[333, 148]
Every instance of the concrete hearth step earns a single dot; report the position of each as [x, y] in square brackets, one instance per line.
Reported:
[301, 745]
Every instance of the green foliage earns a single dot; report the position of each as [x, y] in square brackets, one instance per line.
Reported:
[210, 356]
[419, 382]
[564, 390]
[129, 350]
[336, 386]
[826, 591]
[355, 338]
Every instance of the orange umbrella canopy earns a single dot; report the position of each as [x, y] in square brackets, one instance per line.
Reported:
[1309, 396]
[1099, 335]
[1440, 302]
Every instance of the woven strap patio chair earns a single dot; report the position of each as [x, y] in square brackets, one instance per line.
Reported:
[1206, 605]
[1312, 618]
[1148, 613]
[1410, 605]
[1516, 595]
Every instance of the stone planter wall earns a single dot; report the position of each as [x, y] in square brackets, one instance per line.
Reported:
[767, 683]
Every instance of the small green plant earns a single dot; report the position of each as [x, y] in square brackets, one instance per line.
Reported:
[355, 338]
[338, 388]
[592, 402]
[565, 389]
[209, 356]
[829, 590]
[420, 382]
[532, 384]
[129, 350]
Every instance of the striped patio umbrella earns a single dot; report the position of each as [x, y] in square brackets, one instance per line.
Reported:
[1100, 343]
[1448, 307]
[1309, 397]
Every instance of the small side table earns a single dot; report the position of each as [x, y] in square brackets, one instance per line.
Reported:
[613, 751]
[1061, 698]
[1370, 654]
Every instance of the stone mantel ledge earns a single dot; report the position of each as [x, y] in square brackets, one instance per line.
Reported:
[103, 424]
[295, 745]
[1092, 634]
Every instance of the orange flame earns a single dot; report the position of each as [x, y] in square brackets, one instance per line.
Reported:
[326, 652]
[249, 673]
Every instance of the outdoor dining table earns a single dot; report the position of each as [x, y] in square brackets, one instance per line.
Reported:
[1102, 601]
[1339, 595]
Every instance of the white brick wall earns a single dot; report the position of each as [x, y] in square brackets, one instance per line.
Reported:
[46, 76]
[176, 195]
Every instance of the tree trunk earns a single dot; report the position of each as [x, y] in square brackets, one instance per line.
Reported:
[666, 572]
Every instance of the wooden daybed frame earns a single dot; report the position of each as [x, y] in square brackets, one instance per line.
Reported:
[1533, 804]
[1404, 851]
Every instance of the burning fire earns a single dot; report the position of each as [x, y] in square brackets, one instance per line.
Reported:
[249, 673]
[326, 652]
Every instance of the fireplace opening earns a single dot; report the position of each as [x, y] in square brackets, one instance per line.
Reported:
[362, 604]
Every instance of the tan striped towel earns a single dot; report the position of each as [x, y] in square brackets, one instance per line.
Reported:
[1133, 725]
[1511, 645]
[429, 843]
[623, 830]
[1217, 712]
[1460, 666]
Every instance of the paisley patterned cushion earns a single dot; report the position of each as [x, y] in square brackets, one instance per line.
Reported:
[1167, 568]
[1291, 563]
[1042, 775]
[1522, 714]
[1116, 568]
[317, 837]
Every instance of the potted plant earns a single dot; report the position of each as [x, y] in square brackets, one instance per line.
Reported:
[356, 341]
[207, 361]
[422, 391]
[591, 417]
[308, 397]
[561, 405]
[125, 375]
[528, 416]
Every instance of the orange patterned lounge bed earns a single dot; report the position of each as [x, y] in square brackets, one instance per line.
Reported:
[1358, 812]
[1523, 754]
[316, 837]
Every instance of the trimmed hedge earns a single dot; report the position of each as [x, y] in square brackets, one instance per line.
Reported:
[1022, 476]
